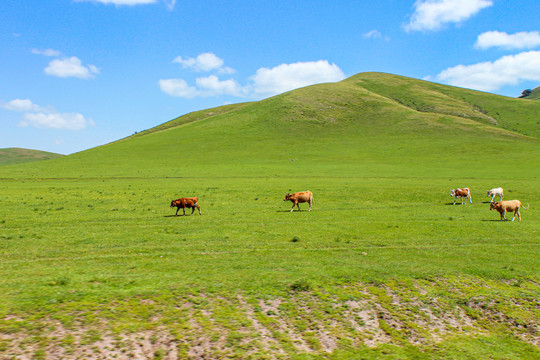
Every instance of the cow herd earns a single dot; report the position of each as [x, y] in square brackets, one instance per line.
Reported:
[307, 196]
[501, 206]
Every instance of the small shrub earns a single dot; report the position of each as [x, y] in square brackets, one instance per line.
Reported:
[295, 239]
[300, 285]
[61, 281]
[159, 354]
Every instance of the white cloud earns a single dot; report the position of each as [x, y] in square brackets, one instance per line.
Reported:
[204, 62]
[47, 52]
[177, 88]
[122, 2]
[206, 86]
[226, 70]
[71, 67]
[23, 105]
[520, 40]
[212, 86]
[287, 77]
[488, 76]
[46, 117]
[65, 121]
[265, 82]
[434, 14]
[170, 4]
[375, 34]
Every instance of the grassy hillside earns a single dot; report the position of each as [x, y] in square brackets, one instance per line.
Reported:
[94, 264]
[16, 156]
[355, 124]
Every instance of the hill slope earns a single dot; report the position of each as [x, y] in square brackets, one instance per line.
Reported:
[370, 122]
[16, 155]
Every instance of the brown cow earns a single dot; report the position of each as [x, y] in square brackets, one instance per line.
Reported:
[299, 197]
[190, 202]
[461, 193]
[508, 205]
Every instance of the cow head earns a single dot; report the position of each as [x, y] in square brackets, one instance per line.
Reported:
[489, 193]
[453, 193]
[287, 197]
[173, 203]
[493, 205]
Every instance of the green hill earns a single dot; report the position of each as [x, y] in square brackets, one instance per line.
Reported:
[94, 263]
[16, 155]
[343, 126]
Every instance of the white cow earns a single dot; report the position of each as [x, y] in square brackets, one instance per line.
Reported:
[496, 192]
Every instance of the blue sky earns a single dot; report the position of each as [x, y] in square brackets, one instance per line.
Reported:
[76, 74]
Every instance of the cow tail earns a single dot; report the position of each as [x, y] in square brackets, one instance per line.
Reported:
[526, 208]
[312, 198]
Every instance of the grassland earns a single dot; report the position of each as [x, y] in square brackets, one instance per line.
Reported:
[94, 265]
[11, 156]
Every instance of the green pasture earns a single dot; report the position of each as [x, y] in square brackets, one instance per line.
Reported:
[69, 246]
[94, 262]
[123, 235]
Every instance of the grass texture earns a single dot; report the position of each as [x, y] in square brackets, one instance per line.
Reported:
[95, 264]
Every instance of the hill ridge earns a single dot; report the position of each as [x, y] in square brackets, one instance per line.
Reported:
[456, 104]
[15, 155]
[371, 120]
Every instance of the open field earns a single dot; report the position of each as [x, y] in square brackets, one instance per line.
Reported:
[95, 265]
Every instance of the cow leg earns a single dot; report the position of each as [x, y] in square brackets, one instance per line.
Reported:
[177, 211]
[192, 210]
[298, 206]
[503, 215]
[292, 207]
[493, 197]
[309, 202]
[199, 209]
[455, 199]
[184, 209]
[470, 198]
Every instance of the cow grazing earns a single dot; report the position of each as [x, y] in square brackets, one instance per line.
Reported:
[299, 197]
[190, 202]
[508, 206]
[496, 192]
[461, 193]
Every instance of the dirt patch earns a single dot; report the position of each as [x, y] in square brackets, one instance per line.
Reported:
[316, 323]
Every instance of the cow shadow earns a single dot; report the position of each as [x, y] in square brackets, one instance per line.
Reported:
[179, 216]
